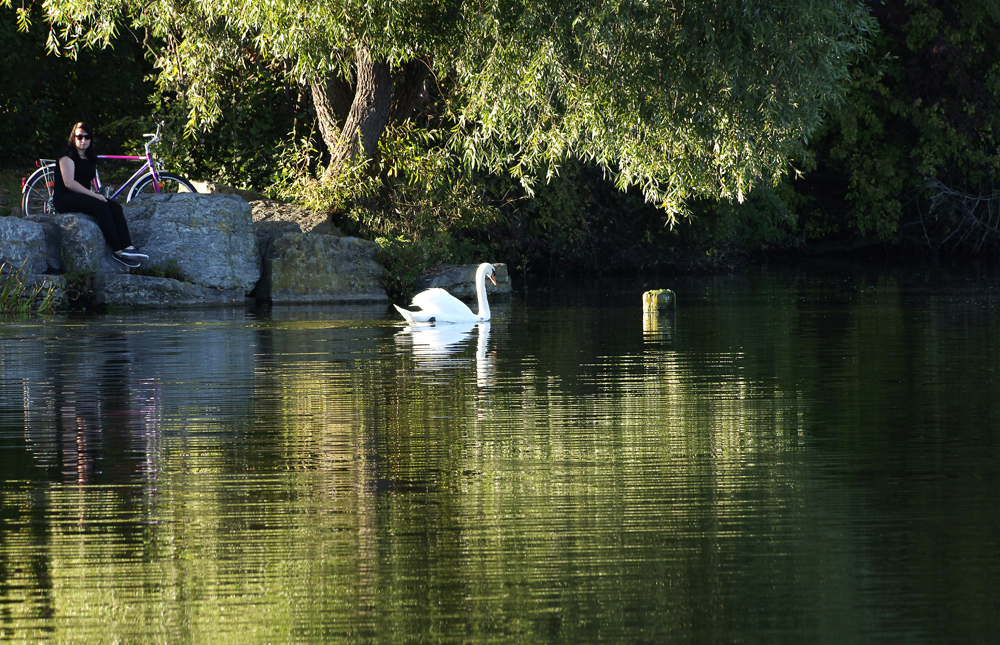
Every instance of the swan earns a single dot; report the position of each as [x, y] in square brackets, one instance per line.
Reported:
[437, 305]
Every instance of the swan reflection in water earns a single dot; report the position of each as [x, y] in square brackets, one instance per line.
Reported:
[439, 348]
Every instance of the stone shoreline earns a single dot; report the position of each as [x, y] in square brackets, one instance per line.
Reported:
[227, 250]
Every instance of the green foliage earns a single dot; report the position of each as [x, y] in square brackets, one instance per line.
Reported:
[80, 293]
[421, 207]
[295, 179]
[404, 259]
[43, 96]
[19, 295]
[579, 221]
[423, 188]
[416, 190]
[256, 109]
[10, 190]
[917, 141]
[729, 233]
[704, 98]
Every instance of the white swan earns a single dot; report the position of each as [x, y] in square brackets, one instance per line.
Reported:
[437, 305]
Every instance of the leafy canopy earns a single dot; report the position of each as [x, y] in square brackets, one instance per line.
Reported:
[677, 97]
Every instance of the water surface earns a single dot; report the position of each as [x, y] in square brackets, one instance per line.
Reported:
[790, 457]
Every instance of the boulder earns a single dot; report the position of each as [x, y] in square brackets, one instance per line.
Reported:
[75, 243]
[217, 188]
[163, 293]
[460, 280]
[268, 231]
[210, 237]
[302, 267]
[308, 221]
[213, 242]
[52, 249]
[22, 243]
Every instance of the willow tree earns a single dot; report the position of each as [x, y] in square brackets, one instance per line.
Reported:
[678, 97]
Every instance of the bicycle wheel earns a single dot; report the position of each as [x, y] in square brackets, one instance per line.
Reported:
[36, 196]
[169, 184]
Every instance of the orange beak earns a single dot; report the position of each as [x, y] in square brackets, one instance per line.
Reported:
[492, 279]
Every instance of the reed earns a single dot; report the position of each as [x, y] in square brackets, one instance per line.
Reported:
[17, 296]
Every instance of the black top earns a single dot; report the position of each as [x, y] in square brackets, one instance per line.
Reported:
[84, 171]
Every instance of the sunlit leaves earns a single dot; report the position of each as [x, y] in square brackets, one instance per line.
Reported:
[700, 97]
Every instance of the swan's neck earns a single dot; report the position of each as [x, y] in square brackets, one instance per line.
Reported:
[484, 305]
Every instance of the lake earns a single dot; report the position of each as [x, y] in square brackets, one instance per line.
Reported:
[794, 456]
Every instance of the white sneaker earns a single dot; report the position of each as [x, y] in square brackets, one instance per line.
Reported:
[129, 262]
[134, 253]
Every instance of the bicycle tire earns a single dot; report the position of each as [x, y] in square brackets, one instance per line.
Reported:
[36, 196]
[169, 184]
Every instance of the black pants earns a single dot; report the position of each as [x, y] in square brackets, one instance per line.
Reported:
[109, 216]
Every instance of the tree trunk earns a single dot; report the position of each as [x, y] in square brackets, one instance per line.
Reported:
[332, 98]
[368, 116]
[352, 118]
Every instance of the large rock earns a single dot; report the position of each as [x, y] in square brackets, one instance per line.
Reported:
[80, 245]
[302, 267]
[212, 240]
[269, 231]
[308, 221]
[161, 293]
[216, 188]
[460, 280]
[210, 237]
[74, 242]
[22, 243]
[52, 249]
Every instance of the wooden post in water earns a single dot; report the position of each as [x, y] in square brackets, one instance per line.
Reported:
[655, 302]
[659, 300]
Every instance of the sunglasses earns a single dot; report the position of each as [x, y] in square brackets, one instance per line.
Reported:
[82, 137]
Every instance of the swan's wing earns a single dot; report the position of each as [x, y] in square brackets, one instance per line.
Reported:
[435, 299]
[442, 306]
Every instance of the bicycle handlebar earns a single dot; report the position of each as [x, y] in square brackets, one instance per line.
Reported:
[155, 136]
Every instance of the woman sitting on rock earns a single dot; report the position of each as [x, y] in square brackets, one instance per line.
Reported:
[73, 194]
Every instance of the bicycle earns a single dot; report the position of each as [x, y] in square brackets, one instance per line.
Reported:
[37, 189]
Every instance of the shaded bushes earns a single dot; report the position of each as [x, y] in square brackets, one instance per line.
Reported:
[44, 95]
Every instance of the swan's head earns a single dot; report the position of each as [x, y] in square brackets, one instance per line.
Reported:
[487, 269]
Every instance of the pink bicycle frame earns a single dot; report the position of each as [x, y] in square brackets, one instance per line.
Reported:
[149, 165]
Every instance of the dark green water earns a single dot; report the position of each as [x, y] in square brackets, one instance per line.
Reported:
[790, 458]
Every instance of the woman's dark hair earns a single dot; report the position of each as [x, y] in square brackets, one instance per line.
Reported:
[83, 125]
